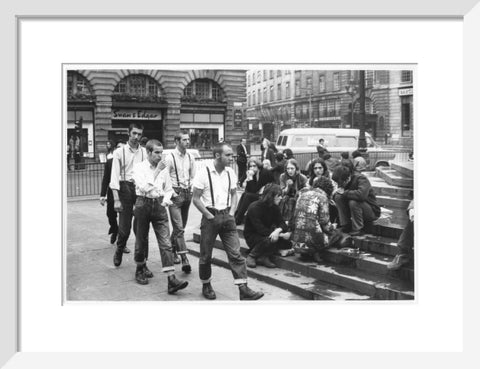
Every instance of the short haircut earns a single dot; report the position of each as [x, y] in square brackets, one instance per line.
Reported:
[269, 192]
[218, 148]
[340, 174]
[151, 144]
[356, 154]
[344, 155]
[135, 125]
[179, 134]
[324, 184]
[144, 140]
[288, 153]
[320, 140]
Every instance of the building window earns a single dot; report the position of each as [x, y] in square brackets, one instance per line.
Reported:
[138, 85]
[406, 117]
[279, 73]
[329, 108]
[309, 85]
[336, 81]
[259, 76]
[264, 75]
[287, 90]
[279, 91]
[287, 72]
[381, 77]
[321, 83]
[77, 85]
[297, 87]
[406, 76]
[203, 89]
[260, 97]
[271, 94]
[265, 97]
[254, 98]
[249, 99]
[248, 79]
[271, 74]
[369, 78]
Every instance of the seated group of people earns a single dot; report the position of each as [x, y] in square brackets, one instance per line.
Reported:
[300, 213]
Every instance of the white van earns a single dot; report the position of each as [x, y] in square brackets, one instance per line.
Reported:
[337, 140]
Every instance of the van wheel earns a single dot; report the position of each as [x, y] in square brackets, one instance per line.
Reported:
[382, 164]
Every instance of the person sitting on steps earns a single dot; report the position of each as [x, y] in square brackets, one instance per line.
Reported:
[405, 243]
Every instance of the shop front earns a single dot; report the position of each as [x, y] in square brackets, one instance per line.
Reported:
[205, 129]
[151, 119]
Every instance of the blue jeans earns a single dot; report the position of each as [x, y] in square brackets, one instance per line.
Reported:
[224, 225]
[127, 197]
[179, 216]
[151, 211]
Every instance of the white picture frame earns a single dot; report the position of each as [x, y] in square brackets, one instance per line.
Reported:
[12, 357]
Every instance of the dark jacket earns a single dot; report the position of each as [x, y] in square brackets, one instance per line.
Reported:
[255, 185]
[360, 189]
[261, 220]
[241, 154]
[105, 190]
[268, 154]
[277, 169]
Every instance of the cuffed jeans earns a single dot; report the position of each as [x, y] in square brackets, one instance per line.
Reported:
[354, 212]
[224, 225]
[179, 216]
[405, 242]
[127, 197]
[151, 211]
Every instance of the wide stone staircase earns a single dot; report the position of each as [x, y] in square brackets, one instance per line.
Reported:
[357, 273]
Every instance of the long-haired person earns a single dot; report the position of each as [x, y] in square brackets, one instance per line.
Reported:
[291, 181]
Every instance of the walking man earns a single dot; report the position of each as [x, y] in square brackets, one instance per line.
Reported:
[154, 191]
[242, 158]
[123, 188]
[181, 168]
[215, 196]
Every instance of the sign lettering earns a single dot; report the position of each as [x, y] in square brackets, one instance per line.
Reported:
[137, 114]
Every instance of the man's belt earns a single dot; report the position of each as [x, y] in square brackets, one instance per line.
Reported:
[181, 189]
[216, 211]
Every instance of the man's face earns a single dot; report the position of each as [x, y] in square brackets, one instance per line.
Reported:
[135, 135]
[226, 158]
[184, 142]
[244, 141]
[155, 155]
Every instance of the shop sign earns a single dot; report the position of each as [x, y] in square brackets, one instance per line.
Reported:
[237, 118]
[137, 114]
[405, 92]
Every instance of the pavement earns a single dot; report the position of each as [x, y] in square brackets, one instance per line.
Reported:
[91, 275]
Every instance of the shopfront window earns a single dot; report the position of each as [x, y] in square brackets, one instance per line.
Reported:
[137, 85]
[203, 138]
[80, 134]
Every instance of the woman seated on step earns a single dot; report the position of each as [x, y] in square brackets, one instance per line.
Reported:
[291, 181]
[318, 168]
[311, 222]
[265, 230]
[257, 178]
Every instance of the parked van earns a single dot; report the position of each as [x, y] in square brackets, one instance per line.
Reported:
[337, 140]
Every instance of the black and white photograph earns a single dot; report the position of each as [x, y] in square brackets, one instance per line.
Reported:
[269, 183]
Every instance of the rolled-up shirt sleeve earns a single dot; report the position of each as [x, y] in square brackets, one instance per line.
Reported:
[115, 175]
[167, 184]
[142, 181]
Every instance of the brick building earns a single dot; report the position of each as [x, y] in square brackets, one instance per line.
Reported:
[280, 99]
[101, 104]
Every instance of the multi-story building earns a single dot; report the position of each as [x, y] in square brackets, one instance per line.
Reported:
[101, 104]
[280, 99]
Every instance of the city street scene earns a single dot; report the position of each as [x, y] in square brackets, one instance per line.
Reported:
[239, 185]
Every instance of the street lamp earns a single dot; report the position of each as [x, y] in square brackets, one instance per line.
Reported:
[351, 90]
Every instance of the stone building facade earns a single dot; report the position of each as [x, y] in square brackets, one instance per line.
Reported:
[280, 99]
[101, 104]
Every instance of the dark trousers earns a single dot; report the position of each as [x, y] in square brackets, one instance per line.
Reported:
[354, 212]
[242, 171]
[151, 211]
[405, 242]
[112, 216]
[179, 216]
[127, 198]
[224, 225]
[245, 201]
[262, 246]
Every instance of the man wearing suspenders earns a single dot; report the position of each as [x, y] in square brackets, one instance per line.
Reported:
[215, 196]
[123, 188]
[181, 167]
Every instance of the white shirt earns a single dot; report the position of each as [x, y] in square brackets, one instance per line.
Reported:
[185, 168]
[146, 185]
[220, 186]
[122, 165]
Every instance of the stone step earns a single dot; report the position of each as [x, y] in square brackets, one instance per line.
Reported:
[394, 178]
[404, 168]
[393, 202]
[377, 244]
[362, 274]
[306, 287]
[382, 188]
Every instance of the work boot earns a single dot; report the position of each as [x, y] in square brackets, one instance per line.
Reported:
[251, 263]
[117, 257]
[265, 261]
[399, 261]
[248, 294]
[208, 292]
[147, 272]
[140, 276]
[175, 284]
[185, 264]
[126, 250]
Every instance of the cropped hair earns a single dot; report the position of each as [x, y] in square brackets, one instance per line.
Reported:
[341, 173]
[324, 184]
[270, 191]
[218, 148]
[344, 155]
[151, 144]
[135, 125]
[179, 134]
[356, 154]
[288, 153]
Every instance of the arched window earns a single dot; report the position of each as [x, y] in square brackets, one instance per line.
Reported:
[137, 86]
[203, 90]
[78, 86]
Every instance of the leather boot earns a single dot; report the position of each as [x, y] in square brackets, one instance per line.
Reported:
[208, 292]
[140, 276]
[251, 263]
[265, 261]
[117, 257]
[186, 268]
[248, 294]
[147, 272]
[175, 284]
